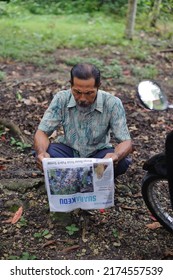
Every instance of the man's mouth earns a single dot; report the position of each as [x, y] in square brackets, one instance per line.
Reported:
[83, 104]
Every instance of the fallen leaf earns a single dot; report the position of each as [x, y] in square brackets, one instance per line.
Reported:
[48, 243]
[8, 221]
[6, 213]
[2, 167]
[133, 128]
[47, 236]
[33, 99]
[168, 253]
[136, 195]
[4, 159]
[117, 244]
[17, 215]
[128, 207]
[153, 218]
[154, 225]
[27, 132]
[67, 249]
[3, 138]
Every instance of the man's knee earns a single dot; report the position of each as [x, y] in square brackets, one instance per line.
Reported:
[59, 150]
[122, 166]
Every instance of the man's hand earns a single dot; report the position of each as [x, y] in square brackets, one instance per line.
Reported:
[113, 156]
[39, 159]
[121, 151]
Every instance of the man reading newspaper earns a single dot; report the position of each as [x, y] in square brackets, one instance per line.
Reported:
[87, 115]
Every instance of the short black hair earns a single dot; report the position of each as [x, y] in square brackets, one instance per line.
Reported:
[85, 71]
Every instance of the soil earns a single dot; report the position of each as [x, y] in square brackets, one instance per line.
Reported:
[121, 232]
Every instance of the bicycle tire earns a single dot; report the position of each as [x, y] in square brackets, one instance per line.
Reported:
[155, 192]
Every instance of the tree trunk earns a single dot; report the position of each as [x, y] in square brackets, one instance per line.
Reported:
[155, 12]
[131, 16]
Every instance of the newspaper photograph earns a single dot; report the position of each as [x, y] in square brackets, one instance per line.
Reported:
[72, 183]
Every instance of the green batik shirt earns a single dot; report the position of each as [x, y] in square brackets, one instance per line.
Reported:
[86, 129]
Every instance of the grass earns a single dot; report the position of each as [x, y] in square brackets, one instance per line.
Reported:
[28, 36]
[2, 76]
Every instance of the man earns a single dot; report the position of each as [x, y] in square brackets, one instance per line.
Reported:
[87, 116]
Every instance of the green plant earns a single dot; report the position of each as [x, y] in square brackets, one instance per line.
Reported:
[24, 256]
[42, 234]
[2, 130]
[115, 233]
[112, 71]
[23, 222]
[20, 145]
[28, 38]
[149, 72]
[18, 96]
[72, 229]
[2, 76]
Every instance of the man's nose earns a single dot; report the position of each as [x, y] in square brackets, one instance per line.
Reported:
[82, 97]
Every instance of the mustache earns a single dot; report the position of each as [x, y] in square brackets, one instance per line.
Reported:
[83, 104]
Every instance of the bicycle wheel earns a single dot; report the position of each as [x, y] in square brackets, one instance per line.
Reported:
[155, 191]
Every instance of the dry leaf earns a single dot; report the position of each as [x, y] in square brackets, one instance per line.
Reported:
[4, 159]
[50, 242]
[133, 128]
[27, 132]
[67, 249]
[2, 167]
[154, 225]
[17, 215]
[128, 207]
[33, 99]
[8, 221]
[136, 195]
[168, 253]
[153, 218]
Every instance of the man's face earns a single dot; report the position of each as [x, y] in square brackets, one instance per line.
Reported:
[84, 91]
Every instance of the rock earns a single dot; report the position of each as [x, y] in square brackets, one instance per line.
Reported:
[21, 185]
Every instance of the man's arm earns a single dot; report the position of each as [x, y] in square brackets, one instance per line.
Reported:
[121, 151]
[41, 143]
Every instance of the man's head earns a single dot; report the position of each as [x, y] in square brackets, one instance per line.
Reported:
[85, 81]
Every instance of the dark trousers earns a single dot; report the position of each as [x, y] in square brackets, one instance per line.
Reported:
[59, 150]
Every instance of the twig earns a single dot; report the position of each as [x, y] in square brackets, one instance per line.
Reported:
[15, 129]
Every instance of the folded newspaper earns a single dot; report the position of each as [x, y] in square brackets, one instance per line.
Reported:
[72, 183]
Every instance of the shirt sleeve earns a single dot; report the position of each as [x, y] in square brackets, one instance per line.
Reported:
[52, 117]
[118, 123]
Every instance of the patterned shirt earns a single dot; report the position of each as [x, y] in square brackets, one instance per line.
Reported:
[86, 129]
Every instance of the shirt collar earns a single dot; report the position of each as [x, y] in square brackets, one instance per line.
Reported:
[98, 103]
[72, 102]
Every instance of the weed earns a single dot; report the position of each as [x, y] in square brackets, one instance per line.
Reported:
[2, 130]
[23, 222]
[18, 96]
[24, 256]
[115, 233]
[42, 234]
[2, 76]
[149, 72]
[72, 229]
[20, 145]
[74, 60]
[112, 71]
[27, 38]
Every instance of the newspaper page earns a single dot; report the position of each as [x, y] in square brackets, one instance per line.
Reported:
[72, 183]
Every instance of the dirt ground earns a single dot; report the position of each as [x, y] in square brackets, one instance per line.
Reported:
[121, 232]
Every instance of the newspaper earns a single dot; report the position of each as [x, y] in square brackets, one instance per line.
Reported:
[72, 183]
